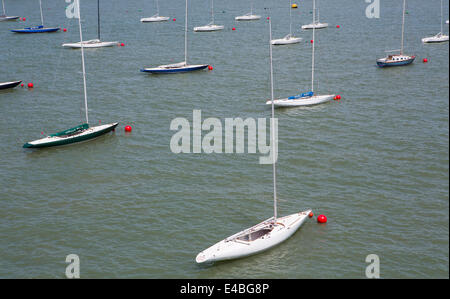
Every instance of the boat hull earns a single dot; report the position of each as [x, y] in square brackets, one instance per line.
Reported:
[8, 18]
[88, 134]
[286, 41]
[183, 69]
[234, 248]
[315, 26]
[306, 101]
[38, 29]
[154, 19]
[382, 63]
[208, 28]
[89, 44]
[7, 85]
[247, 18]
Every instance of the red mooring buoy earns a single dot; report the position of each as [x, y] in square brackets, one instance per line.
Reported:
[210, 68]
[311, 214]
[128, 128]
[322, 219]
[64, 29]
[30, 85]
[425, 60]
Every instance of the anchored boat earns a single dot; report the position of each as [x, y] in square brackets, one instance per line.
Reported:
[264, 235]
[4, 17]
[156, 17]
[7, 85]
[316, 23]
[81, 132]
[397, 59]
[211, 26]
[37, 29]
[288, 39]
[181, 67]
[93, 43]
[305, 98]
[438, 38]
[249, 16]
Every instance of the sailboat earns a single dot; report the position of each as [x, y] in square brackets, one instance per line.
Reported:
[438, 38]
[248, 17]
[6, 85]
[180, 67]
[4, 17]
[37, 29]
[288, 39]
[156, 17]
[93, 43]
[306, 98]
[316, 23]
[211, 26]
[81, 132]
[397, 59]
[264, 235]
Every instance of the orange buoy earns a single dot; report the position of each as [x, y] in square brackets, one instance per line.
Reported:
[128, 128]
[425, 60]
[30, 85]
[210, 68]
[322, 219]
[310, 215]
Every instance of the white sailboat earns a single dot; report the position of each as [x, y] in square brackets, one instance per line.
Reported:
[93, 43]
[316, 23]
[438, 38]
[211, 26]
[156, 17]
[306, 98]
[288, 39]
[4, 17]
[250, 16]
[180, 67]
[264, 235]
[81, 132]
[397, 59]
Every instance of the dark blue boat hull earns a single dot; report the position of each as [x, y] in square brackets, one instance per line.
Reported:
[175, 70]
[37, 29]
[396, 63]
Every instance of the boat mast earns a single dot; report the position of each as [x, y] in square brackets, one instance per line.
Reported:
[42, 17]
[403, 25]
[212, 11]
[441, 18]
[313, 45]
[273, 126]
[185, 34]
[290, 17]
[251, 7]
[4, 12]
[82, 63]
[157, 8]
[98, 19]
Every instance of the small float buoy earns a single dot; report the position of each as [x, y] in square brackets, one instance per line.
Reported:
[210, 68]
[310, 215]
[30, 85]
[64, 29]
[337, 26]
[128, 128]
[174, 19]
[322, 219]
[21, 85]
[338, 97]
[425, 60]
[312, 41]
[294, 5]
[268, 18]
[233, 28]
[122, 45]
[24, 19]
